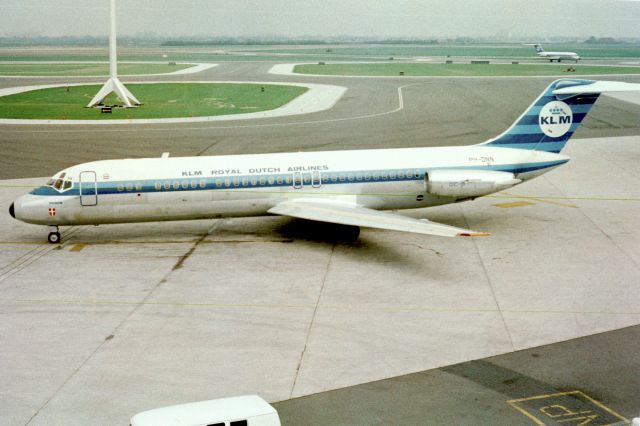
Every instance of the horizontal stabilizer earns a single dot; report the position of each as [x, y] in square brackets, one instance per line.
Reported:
[346, 214]
[597, 87]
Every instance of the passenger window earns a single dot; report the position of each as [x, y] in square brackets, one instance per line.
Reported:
[194, 184]
[236, 181]
[158, 186]
[120, 187]
[416, 174]
[245, 181]
[239, 423]
[376, 175]
[219, 183]
[184, 184]
[262, 180]
[350, 177]
[359, 176]
[270, 180]
[254, 181]
[385, 176]
[167, 185]
[367, 176]
[279, 180]
[203, 184]
[176, 185]
[138, 187]
[307, 178]
[392, 174]
[129, 187]
[401, 174]
[334, 177]
[288, 180]
[227, 182]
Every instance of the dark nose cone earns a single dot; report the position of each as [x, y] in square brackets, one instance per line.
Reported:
[11, 211]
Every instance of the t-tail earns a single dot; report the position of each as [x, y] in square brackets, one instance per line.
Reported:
[538, 48]
[553, 118]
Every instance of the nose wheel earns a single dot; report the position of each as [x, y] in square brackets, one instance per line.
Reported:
[54, 236]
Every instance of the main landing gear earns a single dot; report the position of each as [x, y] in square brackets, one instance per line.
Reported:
[54, 235]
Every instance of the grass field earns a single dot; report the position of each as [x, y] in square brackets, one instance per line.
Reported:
[413, 69]
[586, 51]
[166, 100]
[307, 53]
[86, 69]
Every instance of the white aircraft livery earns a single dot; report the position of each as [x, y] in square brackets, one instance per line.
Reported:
[354, 188]
[556, 56]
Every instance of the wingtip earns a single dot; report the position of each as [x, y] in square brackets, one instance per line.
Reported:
[473, 234]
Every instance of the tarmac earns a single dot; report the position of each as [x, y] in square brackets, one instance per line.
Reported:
[123, 318]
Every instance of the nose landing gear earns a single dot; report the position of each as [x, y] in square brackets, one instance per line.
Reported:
[54, 235]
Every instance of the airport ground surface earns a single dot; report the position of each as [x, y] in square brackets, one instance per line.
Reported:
[124, 318]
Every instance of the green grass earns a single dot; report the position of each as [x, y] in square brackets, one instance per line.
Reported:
[497, 51]
[413, 69]
[86, 69]
[166, 100]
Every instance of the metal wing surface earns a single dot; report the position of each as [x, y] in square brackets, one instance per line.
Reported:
[346, 214]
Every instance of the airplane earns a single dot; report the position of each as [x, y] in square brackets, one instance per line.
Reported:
[357, 188]
[555, 56]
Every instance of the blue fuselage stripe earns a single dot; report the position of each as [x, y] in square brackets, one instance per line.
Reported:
[271, 181]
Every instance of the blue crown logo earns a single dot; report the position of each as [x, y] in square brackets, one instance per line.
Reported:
[556, 110]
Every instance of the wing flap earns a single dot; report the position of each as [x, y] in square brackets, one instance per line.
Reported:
[344, 214]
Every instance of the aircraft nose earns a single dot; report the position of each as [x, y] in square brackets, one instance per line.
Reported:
[12, 211]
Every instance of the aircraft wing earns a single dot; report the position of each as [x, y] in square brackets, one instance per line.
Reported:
[347, 214]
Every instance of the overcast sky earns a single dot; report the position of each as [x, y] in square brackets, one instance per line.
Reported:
[325, 18]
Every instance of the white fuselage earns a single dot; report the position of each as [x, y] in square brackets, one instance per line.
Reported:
[155, 189]
[559, 56]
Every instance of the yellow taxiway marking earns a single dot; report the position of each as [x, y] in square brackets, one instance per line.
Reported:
[573, 407]
[550, 197]
[514, 204]
[77, 247]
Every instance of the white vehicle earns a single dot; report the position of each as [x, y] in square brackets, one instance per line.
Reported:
[555, 56]
[344, 187]
[250, 410]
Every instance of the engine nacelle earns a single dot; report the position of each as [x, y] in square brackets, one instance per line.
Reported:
[467, 183]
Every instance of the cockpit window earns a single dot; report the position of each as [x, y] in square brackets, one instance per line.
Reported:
[60, 183]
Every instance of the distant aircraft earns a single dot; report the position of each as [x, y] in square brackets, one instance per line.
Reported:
[555, 56]
[344, 187]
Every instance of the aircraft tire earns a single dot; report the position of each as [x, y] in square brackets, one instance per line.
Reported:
[54, 237]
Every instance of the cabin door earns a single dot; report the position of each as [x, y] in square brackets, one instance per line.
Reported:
[88, 189]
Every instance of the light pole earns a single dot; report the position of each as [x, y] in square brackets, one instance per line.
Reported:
[114, 84]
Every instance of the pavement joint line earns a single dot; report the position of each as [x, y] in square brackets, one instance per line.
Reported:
[490, 283]
[136, 306]
[599, 228]
[310, 306]
[311, 323]
[32, 255]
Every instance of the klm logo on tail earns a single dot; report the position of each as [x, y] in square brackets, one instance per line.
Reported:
[555, 119]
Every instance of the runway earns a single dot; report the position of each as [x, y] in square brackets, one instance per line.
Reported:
[124, 318]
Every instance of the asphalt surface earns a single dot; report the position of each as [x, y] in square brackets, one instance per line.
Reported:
[280, 313]
[545, 385]
[436, 112]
